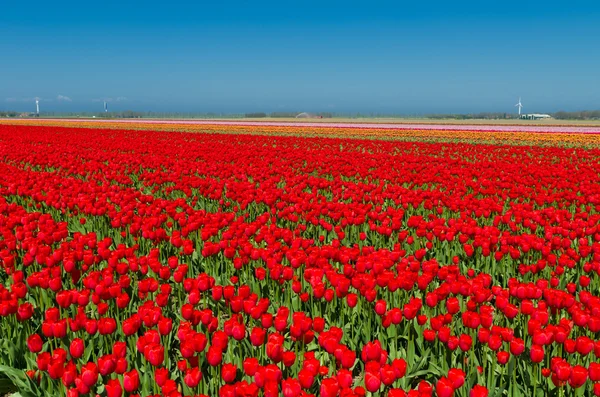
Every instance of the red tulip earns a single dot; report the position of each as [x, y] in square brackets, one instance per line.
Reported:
[329, 387]
[478, 391]
[161, 376]
[380, 307]
[250, 366]
[578, 377]
[107, 326]
[372, 382]
[89, 374]
[113, 388]
[517, 346]
[444, 387]
[257, 336]
[165, 325]
[34, 343]
[306, 378]
[156, 355]
[502, 357]
[537, 354]
[214, 356]
[289, 358]
[192, 377]
[457, 377]
[594, 372]
[76, 348]
[464, 342]
[290, 387]
[106, 364]
[228, 372]
[131, 381]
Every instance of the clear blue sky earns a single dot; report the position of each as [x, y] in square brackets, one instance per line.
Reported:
[380, 56]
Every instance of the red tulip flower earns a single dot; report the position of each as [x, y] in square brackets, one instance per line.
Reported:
[192, 377]
[113, 388]
[478, 391]
[34, 343]
[444, 387]
[131, 381]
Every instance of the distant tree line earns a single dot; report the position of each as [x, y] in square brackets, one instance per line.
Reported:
[257, 115]
[128, 114]
[9, 113]
[469, 116]
[561, 115]
[284, 114]
[582, 115]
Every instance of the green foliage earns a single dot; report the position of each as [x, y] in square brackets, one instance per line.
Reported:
[12, 379]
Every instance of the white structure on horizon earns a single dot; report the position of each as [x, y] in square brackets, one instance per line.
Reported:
[37, 106]
[520, 106]
[536, 116]
[105, 107]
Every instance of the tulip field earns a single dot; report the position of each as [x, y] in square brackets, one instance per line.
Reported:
[243, 261]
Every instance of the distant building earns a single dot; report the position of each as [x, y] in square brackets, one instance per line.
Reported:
[535, 116]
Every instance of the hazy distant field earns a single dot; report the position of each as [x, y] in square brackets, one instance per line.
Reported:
[551, 122]
[391, 120]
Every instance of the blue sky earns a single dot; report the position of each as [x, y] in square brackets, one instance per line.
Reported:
[339, 56]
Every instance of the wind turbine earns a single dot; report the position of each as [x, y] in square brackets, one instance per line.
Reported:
[520, 105]
[105, 107]
[37, 106]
